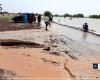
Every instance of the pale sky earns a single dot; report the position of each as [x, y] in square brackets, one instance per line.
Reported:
[86, 7]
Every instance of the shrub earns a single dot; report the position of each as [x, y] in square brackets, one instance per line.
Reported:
[78, 15]
[56, 15]
[47, 13]
[95, 16]
[67, 15]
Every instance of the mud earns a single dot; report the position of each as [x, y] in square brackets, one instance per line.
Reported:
[50, 62]
[56, 45]
[18, 43]
[69, 71]
[6, 74]
[71, 56]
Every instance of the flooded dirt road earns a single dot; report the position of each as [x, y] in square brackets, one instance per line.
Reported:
[76, 35]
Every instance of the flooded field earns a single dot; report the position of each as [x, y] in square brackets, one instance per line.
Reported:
[78, 22]
[78, 35]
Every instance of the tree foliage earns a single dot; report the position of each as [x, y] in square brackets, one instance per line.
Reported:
[67, 15]
[57, 15]
[78, 15]
[47, 13]
[95, 16]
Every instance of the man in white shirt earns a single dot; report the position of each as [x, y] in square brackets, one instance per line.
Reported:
[46, 20]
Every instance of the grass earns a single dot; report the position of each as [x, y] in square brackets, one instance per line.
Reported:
[6, 17]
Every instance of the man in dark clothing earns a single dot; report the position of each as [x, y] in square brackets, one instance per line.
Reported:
[85, 27]
[39, 20]
[30, 20]
[34, 19]
[50, 20]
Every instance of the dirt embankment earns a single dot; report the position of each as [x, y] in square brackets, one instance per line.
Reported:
[18, 43]
[7, 25]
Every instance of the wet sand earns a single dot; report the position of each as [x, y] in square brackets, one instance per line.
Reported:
[28, 63]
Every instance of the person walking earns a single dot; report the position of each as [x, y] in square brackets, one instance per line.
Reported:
[39, 20]
[25, 19]
[46, 20]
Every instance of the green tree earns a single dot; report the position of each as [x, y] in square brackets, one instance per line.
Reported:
[56, 15]
[47, 13]
[95, 16]
[67, 15]
[78, 15]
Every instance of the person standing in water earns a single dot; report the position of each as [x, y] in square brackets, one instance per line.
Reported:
[25, 19]
[85, 27]
[46, 20]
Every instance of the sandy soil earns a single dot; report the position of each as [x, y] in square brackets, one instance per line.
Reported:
[30, 63]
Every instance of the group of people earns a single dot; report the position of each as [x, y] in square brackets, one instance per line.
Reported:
[47, 19]
[31, 19]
